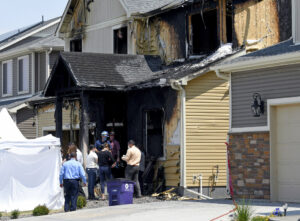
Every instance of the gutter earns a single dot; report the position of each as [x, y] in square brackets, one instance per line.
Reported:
[176, 85]
[222, 75]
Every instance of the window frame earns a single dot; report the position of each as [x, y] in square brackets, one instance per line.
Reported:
[116, 27]
[2, 67]
[18, 70]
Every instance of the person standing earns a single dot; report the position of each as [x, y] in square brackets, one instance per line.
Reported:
[70, 174]
[100, 142]
[115, 146]
[105, 160]
[133, 158]
[91, 169]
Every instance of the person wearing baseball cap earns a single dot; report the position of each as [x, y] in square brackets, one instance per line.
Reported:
[100, 142]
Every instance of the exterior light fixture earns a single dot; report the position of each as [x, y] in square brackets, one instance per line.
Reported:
[258, 106]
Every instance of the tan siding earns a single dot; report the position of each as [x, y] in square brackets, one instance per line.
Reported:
[207, 121]
[46, 117]
[26, 123]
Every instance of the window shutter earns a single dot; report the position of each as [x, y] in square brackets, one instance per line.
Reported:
[20, 65]
[9, 77]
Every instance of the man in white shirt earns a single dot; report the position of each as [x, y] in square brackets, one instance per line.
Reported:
[91, 170]
[79, 156]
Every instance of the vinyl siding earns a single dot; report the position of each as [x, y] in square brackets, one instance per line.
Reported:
[25, 120]
[46, 117]
[105, 10]
[271, 83]
[207, 122]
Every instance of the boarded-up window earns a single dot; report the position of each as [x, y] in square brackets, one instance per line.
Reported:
[23, 74]
[120, 41]
[7, 78]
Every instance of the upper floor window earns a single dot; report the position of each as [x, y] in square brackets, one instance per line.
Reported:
[23, 74]
[7, 83]
[120, 41]
[204, 32]
[76, 45]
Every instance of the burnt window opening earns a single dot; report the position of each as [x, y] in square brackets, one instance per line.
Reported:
[120, 41]
[76, 45]
[154, 133]
[204, 32]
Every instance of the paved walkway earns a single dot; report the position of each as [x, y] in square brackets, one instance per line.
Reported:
[175, 210]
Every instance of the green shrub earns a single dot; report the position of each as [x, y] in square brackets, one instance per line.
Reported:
[40, 210]
[260, 218]
[0, 214]
[81, 202]
[243, 212]
[15, 214]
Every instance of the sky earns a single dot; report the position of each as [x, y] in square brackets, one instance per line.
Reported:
[16, 14]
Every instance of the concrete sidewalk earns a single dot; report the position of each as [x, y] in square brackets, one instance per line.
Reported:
[173, 210]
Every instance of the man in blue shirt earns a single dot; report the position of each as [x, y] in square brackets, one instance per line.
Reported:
[70, 174]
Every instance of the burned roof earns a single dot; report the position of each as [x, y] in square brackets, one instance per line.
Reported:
[283, 47]
[105, 71]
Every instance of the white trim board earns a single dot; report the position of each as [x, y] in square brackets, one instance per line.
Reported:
[249, 129]
[65, 127]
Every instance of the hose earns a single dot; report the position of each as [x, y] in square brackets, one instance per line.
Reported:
[230, 188]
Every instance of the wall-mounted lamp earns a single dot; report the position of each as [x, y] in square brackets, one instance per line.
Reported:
[258, 106]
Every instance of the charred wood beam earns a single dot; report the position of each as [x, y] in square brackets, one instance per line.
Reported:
[58, 117]
[84, 125]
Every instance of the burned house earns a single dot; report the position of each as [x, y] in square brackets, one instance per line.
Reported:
[145, 71]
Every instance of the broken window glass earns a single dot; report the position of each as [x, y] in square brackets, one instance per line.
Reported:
[76, 45]
[204, 32]
[154, 133]
[120, 41]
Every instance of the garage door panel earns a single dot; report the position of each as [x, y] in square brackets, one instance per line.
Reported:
[286, 153]
[289, 193]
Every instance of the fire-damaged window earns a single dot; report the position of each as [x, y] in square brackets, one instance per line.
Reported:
[76, 45]
[120, 41]
[204, 32]
[154, 133]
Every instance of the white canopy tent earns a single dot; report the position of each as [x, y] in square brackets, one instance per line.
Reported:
[29, 169]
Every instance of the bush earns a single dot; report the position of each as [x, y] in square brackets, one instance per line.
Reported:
[81, 202]
[0, 214]
[243, 212]
[40, 210]
[15, 214]
[260, 218]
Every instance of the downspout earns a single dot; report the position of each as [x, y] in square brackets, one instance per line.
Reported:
[48, 63]
[178, 87]
[226, 77]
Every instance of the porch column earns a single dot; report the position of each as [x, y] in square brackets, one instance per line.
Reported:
[58, 117]
[84, 126]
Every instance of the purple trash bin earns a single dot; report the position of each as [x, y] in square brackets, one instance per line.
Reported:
[120, 191]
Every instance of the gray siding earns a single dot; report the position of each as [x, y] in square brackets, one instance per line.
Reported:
[1, 78]
[271, 83]
[25, 120]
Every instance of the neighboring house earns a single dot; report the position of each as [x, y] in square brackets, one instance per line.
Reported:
[172, 102]
[265, 120]
[26, 58]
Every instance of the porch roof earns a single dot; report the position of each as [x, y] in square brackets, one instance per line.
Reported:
[103, 71]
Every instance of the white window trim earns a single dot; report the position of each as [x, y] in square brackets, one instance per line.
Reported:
[66, 127]
[112, 35]
[6, 62]
[20, 58]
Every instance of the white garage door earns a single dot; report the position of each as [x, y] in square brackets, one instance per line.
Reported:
[287, 153]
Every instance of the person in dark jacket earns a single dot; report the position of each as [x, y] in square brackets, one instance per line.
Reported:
[105, 161]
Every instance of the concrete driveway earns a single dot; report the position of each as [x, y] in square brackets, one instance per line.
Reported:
[174, 210]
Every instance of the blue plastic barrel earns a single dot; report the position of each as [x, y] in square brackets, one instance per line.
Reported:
[120, 191]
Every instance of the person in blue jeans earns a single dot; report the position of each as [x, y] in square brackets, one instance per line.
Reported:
[70, 174]
[105, 161]
[91, 169]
